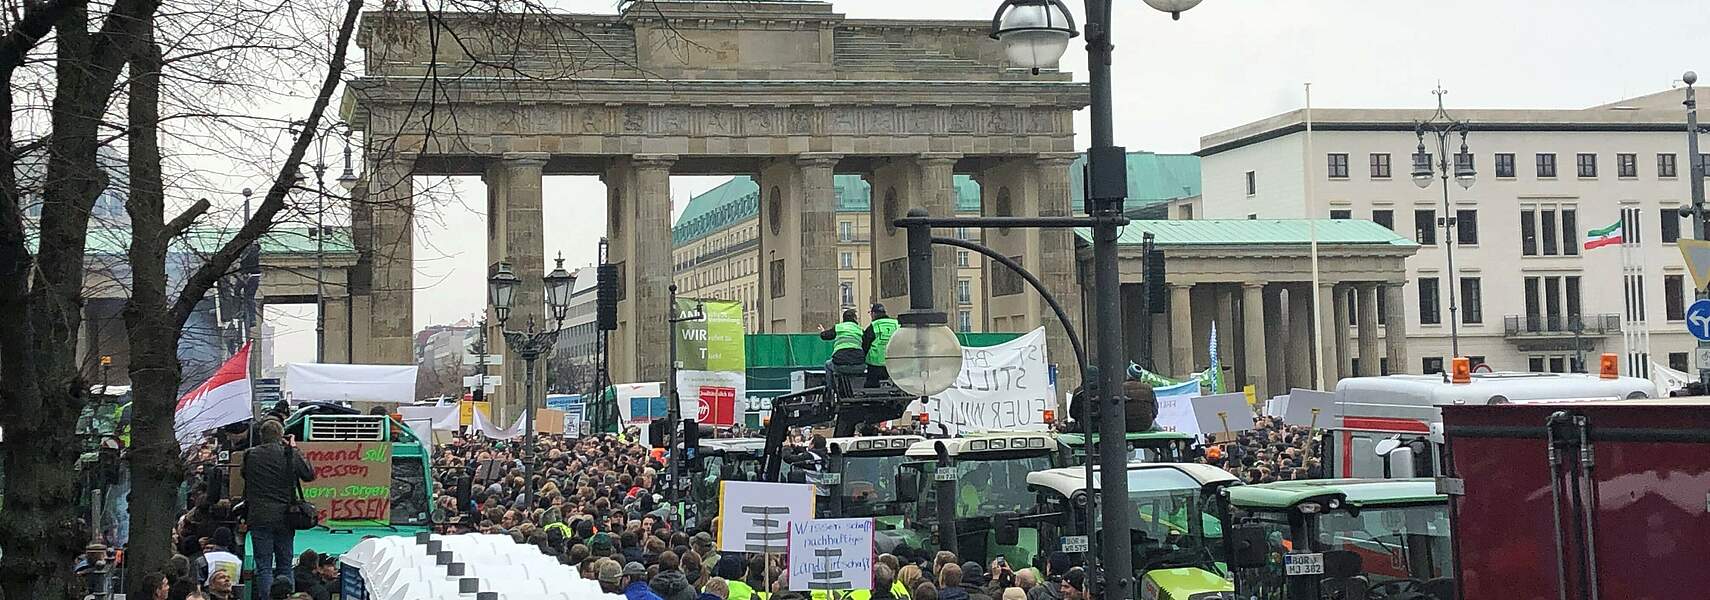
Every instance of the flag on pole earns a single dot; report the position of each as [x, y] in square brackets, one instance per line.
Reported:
[1216, 363]
[1607, 236]
[221, 400]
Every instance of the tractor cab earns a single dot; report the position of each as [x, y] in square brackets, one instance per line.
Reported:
[861, 481]
[957, 486]
[1145, 446]
[1374, 539]
[726, 459]
[1176, 532]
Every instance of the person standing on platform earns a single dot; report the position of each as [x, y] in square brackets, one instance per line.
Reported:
[876, 340]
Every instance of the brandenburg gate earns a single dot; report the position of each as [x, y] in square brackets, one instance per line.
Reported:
[790, 93]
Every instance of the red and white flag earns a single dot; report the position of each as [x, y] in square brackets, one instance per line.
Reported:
[221, 400]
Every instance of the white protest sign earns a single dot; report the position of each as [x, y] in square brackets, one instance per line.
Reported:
[1309, 408]
[831, 554]
[1175, 407]
[753, 516]
[1005, 387]
[1223, 413]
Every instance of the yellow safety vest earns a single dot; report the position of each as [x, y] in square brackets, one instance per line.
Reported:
[848, 336]
[849, 595]
[882, 330]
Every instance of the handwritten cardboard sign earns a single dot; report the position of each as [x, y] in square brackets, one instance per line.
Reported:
[831, 554]
[353, 480]
[753, 515]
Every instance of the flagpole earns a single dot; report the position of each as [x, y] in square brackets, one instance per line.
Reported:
[1312, 232]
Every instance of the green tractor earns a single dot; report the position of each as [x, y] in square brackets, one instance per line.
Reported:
[1176, 533]
[861, 481]
[1145, 446]
[720, 459]
[952, 488]
[1340, 538]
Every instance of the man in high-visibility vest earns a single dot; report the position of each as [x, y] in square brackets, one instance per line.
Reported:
[847, 341]
[876, 340]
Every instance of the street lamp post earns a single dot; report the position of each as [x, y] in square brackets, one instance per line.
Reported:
[347, 180]
[1036, 33]
[674, 410]
[1695, 172]
[530, 345]
[1443, 127]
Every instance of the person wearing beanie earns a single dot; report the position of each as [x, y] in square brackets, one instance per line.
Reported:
[635, 583]
[610, 575]
[671, 584]
[1074, 586]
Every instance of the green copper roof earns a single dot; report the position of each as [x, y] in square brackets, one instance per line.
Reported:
[1258, 231]
[1152, 180]
[1284, 495]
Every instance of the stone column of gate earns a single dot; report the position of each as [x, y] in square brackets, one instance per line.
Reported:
[1299, 346]
[1253, 333]
[1395, 328]
[817, 293]
[1181, 330]
[1332, 332]
[1277, 336]
[938, 197]
[516, 189]
[390, 202]
[651, 264]
[1056, 260]
[1339, 332]
[1367, 312]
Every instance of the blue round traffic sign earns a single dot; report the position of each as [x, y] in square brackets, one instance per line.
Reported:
[1698, 319]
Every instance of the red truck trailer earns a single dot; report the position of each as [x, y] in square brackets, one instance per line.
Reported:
[1580, 500]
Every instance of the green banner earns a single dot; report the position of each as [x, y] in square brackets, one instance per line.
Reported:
[712, 343]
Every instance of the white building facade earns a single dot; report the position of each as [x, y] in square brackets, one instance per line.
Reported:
[1527, 295]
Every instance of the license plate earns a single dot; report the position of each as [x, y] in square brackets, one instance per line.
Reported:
[831, 478]
[1303, 564]
[1074, 543]
[944, 474]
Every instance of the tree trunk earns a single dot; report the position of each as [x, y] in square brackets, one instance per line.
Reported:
[156, 468]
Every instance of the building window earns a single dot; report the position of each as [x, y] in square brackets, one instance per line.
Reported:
[1505, 164]
[846, 292]
[1535, 364]
[1005, 282]
[1338, 165]
[1546, 164]
[1466, 227]
[1431, 365]
[1380, 165]
[1665, 164]
[1674, 293]
[846, 259]
[1570, 232]
[1383, 365]
[1670, 223]
[1528, 232]
[1587, 163]
[1252, 183]
[1626, 165]
[1341, 214]
[1385, 218]
[1428, 292]
[1635, 297]
[1547, 222]
[1472, 301]
[1703, 159]
[1571, 289]
[965, 318]
[1425, 227]
[964, 291]
[845, 231]
[1558, 364]
[962, 234]
[1630, 229]
[961, 258]
[1677, 361]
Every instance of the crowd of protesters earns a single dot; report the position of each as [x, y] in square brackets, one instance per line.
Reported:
[1270, 451]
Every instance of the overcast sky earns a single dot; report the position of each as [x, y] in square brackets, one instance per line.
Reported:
[1224, 63]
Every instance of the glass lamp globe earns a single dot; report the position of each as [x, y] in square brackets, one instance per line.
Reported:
[924, 359]
[1035, 33]
[1174, 7]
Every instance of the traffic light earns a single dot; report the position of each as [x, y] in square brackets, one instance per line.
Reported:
[606, 298]
[657, 431]
[1156, 293]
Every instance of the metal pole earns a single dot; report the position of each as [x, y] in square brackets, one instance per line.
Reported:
[530, 353]
[1107, 173]
[1312, 232]
[673, 412]
[1696, 174]
[1448, 242]
[320, 259]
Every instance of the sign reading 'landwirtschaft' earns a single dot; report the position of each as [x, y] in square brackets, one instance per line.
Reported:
[831, 554]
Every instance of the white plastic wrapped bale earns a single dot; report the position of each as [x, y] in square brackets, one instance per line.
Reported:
[461, 567]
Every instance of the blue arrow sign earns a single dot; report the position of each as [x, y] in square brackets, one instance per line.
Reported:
[1698, 320]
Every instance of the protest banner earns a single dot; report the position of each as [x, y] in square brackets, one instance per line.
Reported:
[714, 362]
[466, 411]
[1309, 408]
[549, 421]
[562, 401]
[1175, 407]
[1004, 387]
[574, 419]
[353, 480]
[640, 402]
[753, 515]
[1223, 413]
[831, 554]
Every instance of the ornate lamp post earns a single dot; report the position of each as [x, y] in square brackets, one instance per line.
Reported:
[1035, 34]
[1443, 127]
[530, 344]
